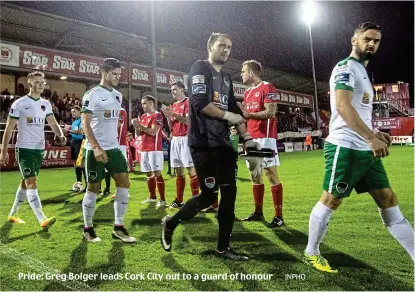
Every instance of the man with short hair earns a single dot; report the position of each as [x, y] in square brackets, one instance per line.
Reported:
[353, 150]
[180, 158]
[77, 136]
[29, 113]
[152, 157]
[260, 106]
[100, 114]
[212, 106]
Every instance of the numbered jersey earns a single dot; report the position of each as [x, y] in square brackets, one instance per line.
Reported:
[152, 143]
[31, 115]
[350, 74]
[105, 106]
[255, 99]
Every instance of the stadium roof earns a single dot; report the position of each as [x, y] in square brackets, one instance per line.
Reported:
[28, 26]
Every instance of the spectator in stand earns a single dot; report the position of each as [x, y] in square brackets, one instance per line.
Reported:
[66, 95]
[309, 142]
[5, 92]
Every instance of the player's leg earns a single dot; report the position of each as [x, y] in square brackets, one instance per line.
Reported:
[30, 161]
[340, 177]
[277, 195]
[151, 179]
[205, 161]
[118, 168]
[258, 192]
[180, 186]
[19, 199]
[226, 212]
[95, 171]
[156, 165]
[376, 182]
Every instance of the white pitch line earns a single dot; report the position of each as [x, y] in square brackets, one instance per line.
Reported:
[41, 268]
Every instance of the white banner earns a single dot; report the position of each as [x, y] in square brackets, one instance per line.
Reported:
[298, 135]
[9, 55]
[401, 139]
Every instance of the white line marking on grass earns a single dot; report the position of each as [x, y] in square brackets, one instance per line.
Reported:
[40, 267]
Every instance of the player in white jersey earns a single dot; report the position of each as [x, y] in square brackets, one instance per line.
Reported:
[100, 113]
[29, 113]
[353, 150]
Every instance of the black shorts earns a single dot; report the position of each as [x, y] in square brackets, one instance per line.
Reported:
[75, 148]
[214, 166]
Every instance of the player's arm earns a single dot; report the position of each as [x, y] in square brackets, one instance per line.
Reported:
[4, 155]
[352, 119]
[180, 118]
[150, 131]
[57, 130]
[199, 85]
[88, 105]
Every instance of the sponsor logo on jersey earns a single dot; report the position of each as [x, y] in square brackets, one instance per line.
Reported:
[342, 78]
[196, 79]
[35, 120]
[365, 98]
[252, 106]
[210, 182]
[199, 89]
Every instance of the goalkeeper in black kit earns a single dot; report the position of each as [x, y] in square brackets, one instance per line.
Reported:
[212, 107]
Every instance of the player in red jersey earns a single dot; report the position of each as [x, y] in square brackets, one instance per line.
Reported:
[180, 158]
[150, 128]
[260, 105]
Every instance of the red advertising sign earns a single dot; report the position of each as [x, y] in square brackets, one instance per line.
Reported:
[142, 75]
[55, 156]
[62, 62]
[386, 123]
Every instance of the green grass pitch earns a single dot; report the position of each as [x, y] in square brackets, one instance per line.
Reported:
[357, 243]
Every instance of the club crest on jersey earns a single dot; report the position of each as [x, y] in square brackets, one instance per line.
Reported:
[29, 120]
[117, 98]
[341, 187]
[365, 98]
[11, 111]
[257, 94]
[86, 103]
[226, 81]
[43, 108]
[210, 182]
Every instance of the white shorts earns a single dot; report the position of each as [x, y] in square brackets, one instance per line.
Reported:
[151, 161]
[270, 143]
[180, 153]
[123, 149]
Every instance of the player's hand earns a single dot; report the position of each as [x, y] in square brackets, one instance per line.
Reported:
[255, 167]
[4, 158]
[244, 110]
[100, 155]
[384, 137]
[249, 142]
[167, 110]
[136, 123]
[62, 140]
[233, 119]
[379, 147]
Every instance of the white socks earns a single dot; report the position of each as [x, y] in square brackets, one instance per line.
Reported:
[34, 201]
[399, 227]
[18, 201]
[88, 207]
[120, 205]
[317, 227]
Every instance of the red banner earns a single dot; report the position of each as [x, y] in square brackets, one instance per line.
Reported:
[386, 123]
[55, 156]
[142, 75]
[62, 62]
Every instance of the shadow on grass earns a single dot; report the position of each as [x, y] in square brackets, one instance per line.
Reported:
[78, 263]
[353, 274]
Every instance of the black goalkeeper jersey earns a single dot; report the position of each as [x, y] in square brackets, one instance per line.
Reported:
[206, 85]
